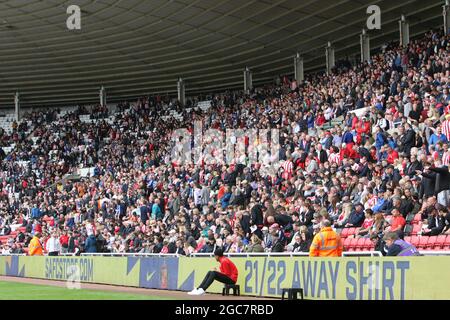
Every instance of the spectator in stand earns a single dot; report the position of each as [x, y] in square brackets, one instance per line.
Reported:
[397, 223]
[277, 244]
[91, 244]
[255, 245]
[364, 230]
[304, 243]
[53, 246]
[356, 217]
[64, 241]
[436, 223]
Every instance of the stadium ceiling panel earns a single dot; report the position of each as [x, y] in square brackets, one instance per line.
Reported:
[138, 47]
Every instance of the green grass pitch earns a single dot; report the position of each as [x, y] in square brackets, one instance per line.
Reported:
[24, 291]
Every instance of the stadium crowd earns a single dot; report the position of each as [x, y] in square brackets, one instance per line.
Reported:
[364, 147]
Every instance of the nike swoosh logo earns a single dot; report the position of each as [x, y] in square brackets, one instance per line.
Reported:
[150, 275]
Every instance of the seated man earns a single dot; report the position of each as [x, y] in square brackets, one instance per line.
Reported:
[397, 247]
[228, 274]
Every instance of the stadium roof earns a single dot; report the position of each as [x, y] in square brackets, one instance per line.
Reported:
[136, 47]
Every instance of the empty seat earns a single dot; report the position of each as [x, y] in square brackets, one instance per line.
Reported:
[353, 244]
[407, 239]
[431, 242]
[415, 241]
[368, 244]
[360, 244]
[423, 241]
[347, 243]
[416, 229]
[447, 243]
[417, 218]
[408, 229]
[410, 218]
[344, 233]
[440, 242]
[351, 231]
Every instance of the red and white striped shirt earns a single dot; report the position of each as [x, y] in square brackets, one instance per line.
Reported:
[334, 158]
[446, 129]
[446, 158]
[288, 167]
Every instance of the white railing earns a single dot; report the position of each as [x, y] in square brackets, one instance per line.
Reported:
[235, 254]
[434, 253]
[230, 254]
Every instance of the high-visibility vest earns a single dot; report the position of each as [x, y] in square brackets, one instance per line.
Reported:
[327, 243]
[35, 247]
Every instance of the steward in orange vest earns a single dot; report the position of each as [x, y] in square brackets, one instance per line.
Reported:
[35, 246]
[327, 243]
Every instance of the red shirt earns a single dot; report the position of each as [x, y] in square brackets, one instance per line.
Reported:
[228, 268]
[397, 223]
[367, 223]
[64, 240]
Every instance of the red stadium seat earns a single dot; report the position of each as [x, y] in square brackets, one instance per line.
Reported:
[416, 229]
[360, 244]
[344, 233]
[347, 243]
[417, 218]
[440, 241]
[23, 229]
[353, 244]
[367, 244]
[407, 239]
[447, 243]
[351, 231]
[431, 241]
[423, 241]
[415, 241]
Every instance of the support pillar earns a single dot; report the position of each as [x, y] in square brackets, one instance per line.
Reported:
[365, 46]
[446, 15]
[329, 53]
[181, 91]
[102, 96]
[248, 81]
[17, 106]
[404, 31]
[298, 68]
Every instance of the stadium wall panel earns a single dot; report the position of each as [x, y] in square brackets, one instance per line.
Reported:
[350, 278]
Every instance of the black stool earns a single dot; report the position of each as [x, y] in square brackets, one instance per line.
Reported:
[292, 293]
[236, 290]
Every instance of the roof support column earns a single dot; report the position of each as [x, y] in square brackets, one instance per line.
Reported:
[17, 106]
[446, 15]
[404, 31]
[329, 53]
[298, 68]
[365, 46]
[102, 96]
[181, 89]
[248, 80]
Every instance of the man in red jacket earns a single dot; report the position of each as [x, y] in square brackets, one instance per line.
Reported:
[228, 274]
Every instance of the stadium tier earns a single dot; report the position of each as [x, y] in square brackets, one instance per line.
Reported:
[364, 148]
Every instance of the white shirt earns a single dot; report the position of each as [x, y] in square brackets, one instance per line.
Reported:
[89, 229]
[53, 245]
[197, 196]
